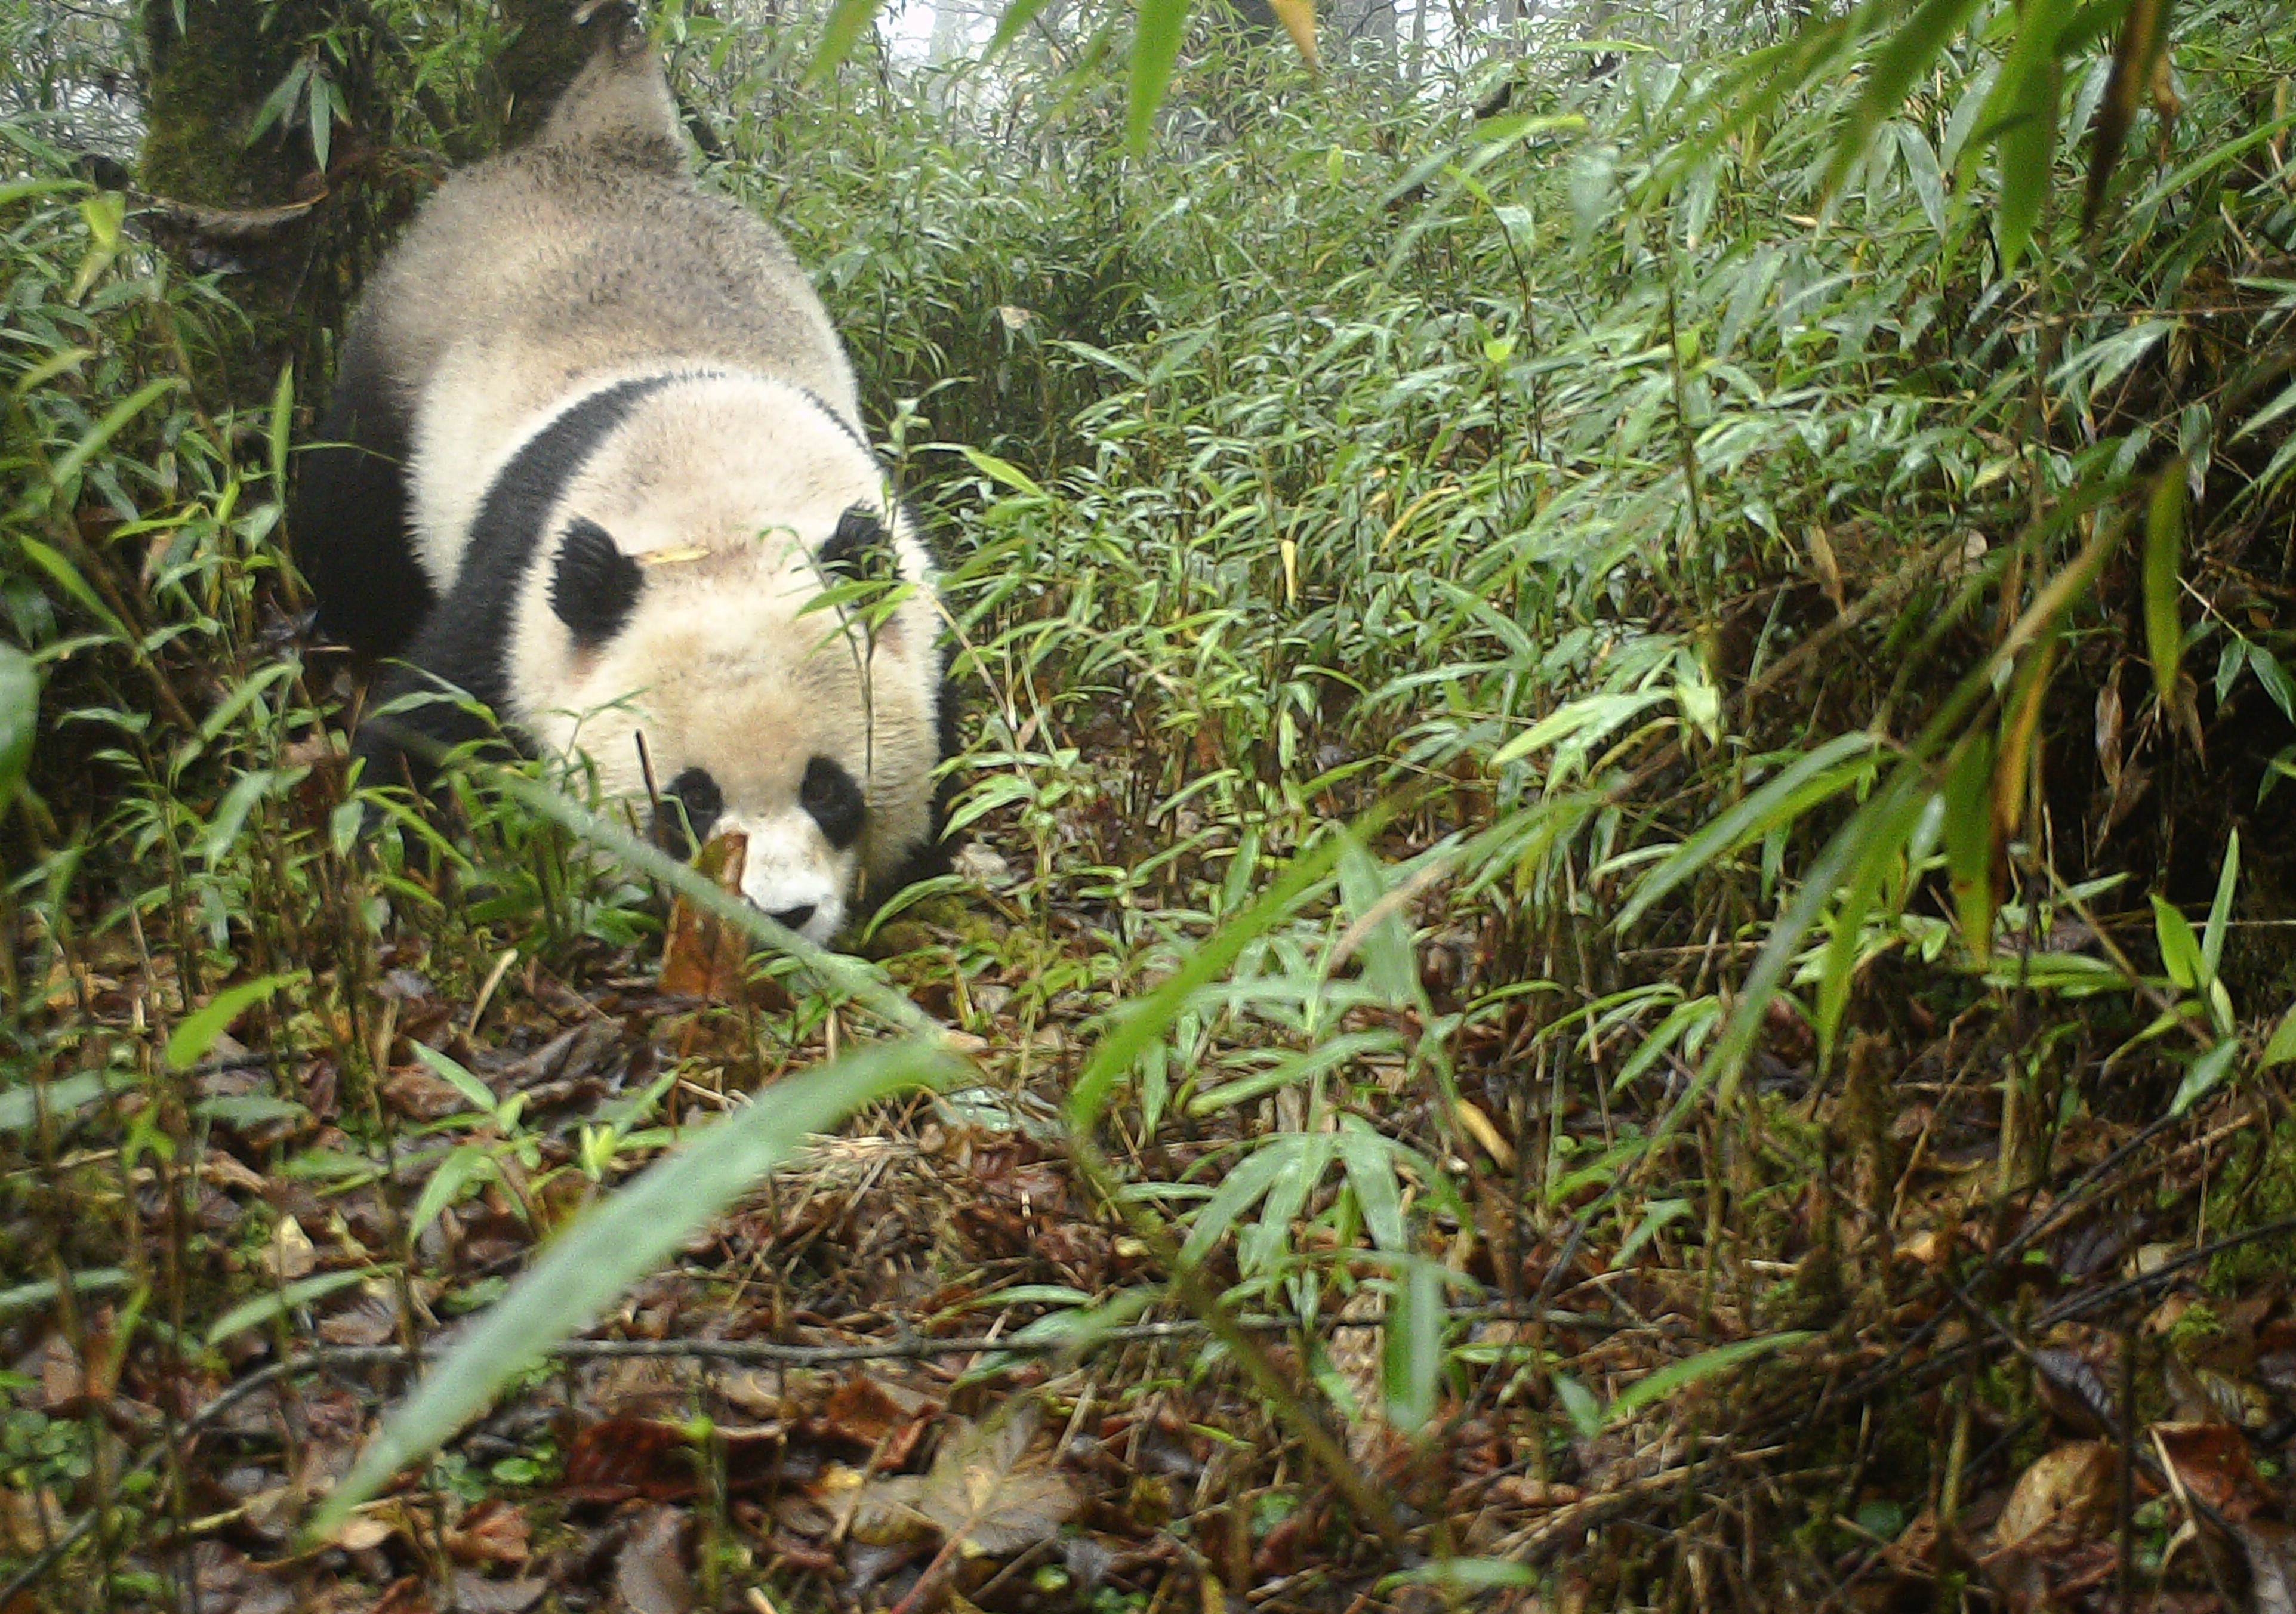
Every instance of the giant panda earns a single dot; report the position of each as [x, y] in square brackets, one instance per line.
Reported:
[593, 458]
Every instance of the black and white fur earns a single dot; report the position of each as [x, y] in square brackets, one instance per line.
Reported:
[593, 457]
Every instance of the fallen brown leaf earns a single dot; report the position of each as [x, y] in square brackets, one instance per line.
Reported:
[494, 1532]
[2071, 1486]
[2213, 1463]
[705, 957]
[649, 1571]
[986, 1493]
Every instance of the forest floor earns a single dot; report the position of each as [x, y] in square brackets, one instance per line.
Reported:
[832, 1397]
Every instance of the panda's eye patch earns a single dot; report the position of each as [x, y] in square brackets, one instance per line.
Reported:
[860, 548]
[689, 811]
[596, 586]
[835, 801]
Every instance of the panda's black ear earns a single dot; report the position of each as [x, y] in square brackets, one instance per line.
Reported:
[596, 585]
[860, 549]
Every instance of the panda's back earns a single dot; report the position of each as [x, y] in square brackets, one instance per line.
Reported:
[539, 276]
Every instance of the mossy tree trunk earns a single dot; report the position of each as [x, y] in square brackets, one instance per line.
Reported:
[295, 241]
[209, 80]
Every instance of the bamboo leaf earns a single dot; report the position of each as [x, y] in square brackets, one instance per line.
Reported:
[1677, 1375]
[114, 421]
[1299, 19]
[1121, 1047]
[2028, 144]
[447, 1180]
[2204, 1074]
[1818, 776]
[282, 96]
[195, 1034]
[105, 213]
[475, 1092]
[1155, 52]
[2212, 935]
[1017, 16]
[2023, 114]
[1238, 1192]
[280, 430]
[1465, 1575]
[1411, 1365]
[20, 1107]
[2021, 735]
[1383, 937]
[1971, 846]
[2280, 406]
[319, 110]
[1657, 1216]
[2180, 952]
[1908, 54]
[21, 190]
[2164, 541]
[65, 577]
[1924, 173]
[1292, 1068]
[1002, 471]
[1585, 720]
[262, 1308]
[1578, 1405]
[20, 716]
[616, 1243]
[1369, 1162]
[2281, 1048]
[231, 814]
[1886, 825]
[847, 20]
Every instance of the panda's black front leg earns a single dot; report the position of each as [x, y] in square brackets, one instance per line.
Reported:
[417, 720]
[417, 726]
[348, 520]
[441, 700]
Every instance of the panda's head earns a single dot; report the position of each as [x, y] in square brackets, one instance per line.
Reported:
[728, 582]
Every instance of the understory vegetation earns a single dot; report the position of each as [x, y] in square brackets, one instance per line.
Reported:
[1621, 936]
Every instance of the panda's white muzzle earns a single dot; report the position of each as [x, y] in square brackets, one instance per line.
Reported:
[793, 873]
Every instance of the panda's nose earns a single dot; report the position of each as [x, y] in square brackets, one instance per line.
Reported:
[795, 919]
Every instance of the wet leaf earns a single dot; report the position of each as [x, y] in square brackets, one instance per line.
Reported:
[624, 1457]
[1155, 53]
[197, 1033]
[2164, 540]
[2071, 1486]
[19, 715]
[2271, 1548]
[987, 1491]
[2214, 1464]
[847, 20]
[2072, 1383]
[650, 1574]
[494, 1532]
